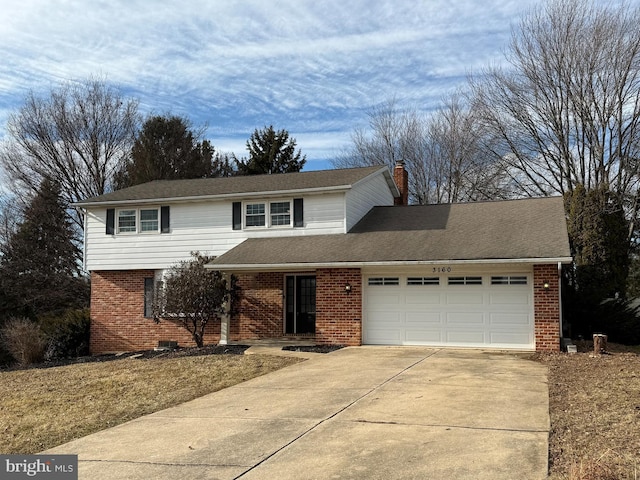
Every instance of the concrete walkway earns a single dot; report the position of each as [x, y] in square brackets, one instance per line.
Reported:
[357, 413]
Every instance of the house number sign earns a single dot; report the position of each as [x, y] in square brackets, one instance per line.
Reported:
[442, 269]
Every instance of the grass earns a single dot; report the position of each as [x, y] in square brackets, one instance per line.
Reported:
[594, 404]
[42, 408]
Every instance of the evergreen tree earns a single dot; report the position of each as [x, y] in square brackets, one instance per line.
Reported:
[40, 268]
[271, 151]
[166, 149]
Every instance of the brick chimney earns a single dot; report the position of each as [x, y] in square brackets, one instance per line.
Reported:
[401, 178]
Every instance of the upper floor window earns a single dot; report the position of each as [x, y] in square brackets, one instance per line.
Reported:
[267, 214]
[149, 220]
[254, 215]
[279, 214]
[127, 221]
[137, 220]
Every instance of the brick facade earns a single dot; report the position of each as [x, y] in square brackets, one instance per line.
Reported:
[338, 313]
[118, 322]
[117, 315]
[546, 307]
[260, 313]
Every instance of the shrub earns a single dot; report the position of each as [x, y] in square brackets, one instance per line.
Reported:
[24, 340]
[67, 334]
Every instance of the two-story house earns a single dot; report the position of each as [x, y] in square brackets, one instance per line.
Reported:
[336, 255]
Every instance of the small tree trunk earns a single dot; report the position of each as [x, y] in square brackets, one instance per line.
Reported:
[599, 343]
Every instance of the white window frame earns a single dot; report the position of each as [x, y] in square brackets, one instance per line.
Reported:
[157, 220]
[268, 215]
[138, 221]
[119, 229]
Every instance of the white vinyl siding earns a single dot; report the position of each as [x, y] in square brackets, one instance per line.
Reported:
[364, 195]
[205, 227]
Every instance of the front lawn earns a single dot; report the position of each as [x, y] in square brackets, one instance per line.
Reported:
[42, 408]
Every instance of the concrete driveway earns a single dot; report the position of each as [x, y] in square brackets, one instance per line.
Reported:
[357, 413]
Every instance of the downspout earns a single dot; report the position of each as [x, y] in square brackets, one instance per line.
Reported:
[560, 298]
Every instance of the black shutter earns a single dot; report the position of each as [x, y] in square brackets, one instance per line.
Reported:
[237, 215]
[111, 221]
[298, 212]
[164, 220]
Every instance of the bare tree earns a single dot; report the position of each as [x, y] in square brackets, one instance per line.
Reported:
[77, 137]
[442, 151]
[456, 168]
[566, 112]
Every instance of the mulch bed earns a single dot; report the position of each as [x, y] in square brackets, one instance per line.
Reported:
[177, 353]
[313, 348]
[145, 354]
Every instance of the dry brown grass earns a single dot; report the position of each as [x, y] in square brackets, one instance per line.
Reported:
[594, 404]
[40, 409]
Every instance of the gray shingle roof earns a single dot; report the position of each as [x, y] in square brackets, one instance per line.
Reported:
[501, 230]
[245, 185]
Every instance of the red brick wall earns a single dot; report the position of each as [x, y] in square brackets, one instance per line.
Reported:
[546, 305]
[117, 316]
[338, 314]
[260, 313]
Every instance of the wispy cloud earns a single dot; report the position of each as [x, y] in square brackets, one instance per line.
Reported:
[312, 67]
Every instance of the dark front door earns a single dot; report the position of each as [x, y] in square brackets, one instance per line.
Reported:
[300, 304]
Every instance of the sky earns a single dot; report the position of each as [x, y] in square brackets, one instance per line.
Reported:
[313, 68]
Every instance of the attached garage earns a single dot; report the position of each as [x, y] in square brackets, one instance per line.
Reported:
[493, 310]
[480, 275]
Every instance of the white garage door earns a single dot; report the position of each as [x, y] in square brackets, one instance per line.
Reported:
[493, 310]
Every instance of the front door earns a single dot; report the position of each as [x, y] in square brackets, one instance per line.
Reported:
[300, 304]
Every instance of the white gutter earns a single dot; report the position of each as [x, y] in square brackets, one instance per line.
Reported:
[401, 263]
[195, 198]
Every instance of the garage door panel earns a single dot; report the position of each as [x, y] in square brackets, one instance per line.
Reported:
[422, 318]
[509, 298]
[422, 299]
[465, 337]
[514, 319]
[464, 318]
[424, 336]
[505, 338]
[384, 337]
[384, 319]
[464, 298]
[385, 299]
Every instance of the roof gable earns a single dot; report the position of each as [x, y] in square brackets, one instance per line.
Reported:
[184, 190]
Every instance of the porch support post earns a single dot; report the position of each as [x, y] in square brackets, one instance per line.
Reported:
[225, 318]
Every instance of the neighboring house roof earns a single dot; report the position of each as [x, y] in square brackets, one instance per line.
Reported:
[514, 230]
[241, 186]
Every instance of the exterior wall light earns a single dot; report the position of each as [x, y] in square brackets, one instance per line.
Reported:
[545, 285]
[347, 288]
